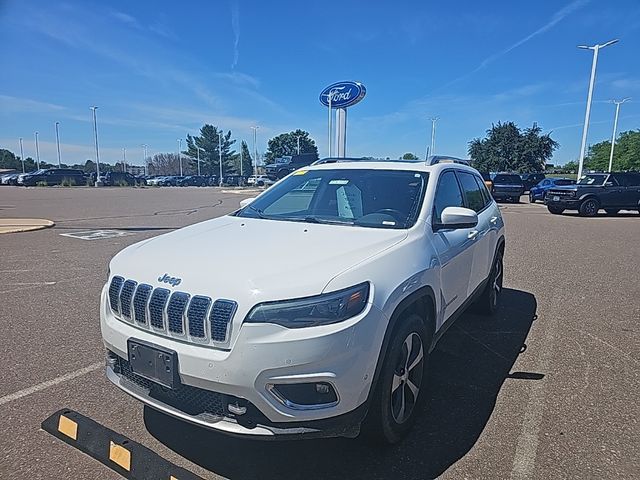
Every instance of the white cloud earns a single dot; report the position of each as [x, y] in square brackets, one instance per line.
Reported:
[10, 104]
[235, 25]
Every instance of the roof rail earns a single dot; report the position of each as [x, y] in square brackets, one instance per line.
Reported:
[435, 159]
[344, 159]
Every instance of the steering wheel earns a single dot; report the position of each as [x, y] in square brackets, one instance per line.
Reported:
[397, 214]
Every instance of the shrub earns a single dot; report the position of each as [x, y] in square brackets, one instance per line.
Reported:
[68, 182]
[42, 183]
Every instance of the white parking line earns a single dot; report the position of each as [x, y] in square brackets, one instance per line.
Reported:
[50, 383]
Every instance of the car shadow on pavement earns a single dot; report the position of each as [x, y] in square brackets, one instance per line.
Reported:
[466, 373]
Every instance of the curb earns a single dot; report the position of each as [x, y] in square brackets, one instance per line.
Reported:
[18, 225]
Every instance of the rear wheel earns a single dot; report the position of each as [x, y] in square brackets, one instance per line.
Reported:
[612, 211]
[489, 301]
[589, 208]
[399, 392]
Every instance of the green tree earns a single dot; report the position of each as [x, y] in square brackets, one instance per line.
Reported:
[508, 148]
[626, 154]
[247, 161]
[569, 167]
[409, 156]
[209, 142]
[286, 144]
[9, 160]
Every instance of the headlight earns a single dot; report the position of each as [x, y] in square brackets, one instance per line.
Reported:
[322, 309]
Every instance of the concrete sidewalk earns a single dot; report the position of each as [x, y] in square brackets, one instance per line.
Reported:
[15, 225]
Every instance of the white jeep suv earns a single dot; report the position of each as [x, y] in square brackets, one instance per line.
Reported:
[370, 261]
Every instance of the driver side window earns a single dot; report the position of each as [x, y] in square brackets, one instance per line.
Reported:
[448, 194]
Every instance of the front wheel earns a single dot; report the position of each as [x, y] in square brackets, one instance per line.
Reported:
[555, 210]
[589, 208]
[399, 394]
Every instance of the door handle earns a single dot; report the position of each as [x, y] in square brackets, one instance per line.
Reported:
[493, 219]
[472, 234]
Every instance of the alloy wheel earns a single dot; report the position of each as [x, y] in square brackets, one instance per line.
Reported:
[496, 284]
[407, 378]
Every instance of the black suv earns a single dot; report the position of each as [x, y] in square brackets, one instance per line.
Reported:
[54, 176]
[285, 165]
[117, 179]
[609, 191]
[507, 186]
[531, 180]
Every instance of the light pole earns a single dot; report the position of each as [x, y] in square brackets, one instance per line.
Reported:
[144, 158]
[220, 152]
[433, 136]
[124, 159]
[198, 150]
[179, 155]
[95, 134]
[241, 161]
[615, 128]
[37, 152]
[22, 154]
[329, 97]
[58, 143]
[596, 48]
[298, 142]
[255, 150]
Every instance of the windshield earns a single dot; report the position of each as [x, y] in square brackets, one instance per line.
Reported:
[593, 179]
[367, 198]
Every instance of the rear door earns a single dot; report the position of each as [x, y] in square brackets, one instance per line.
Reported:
[454, 248]
[631, 186]
[613, 192]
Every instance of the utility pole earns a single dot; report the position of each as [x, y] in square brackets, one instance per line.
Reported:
[95, 133]
[58, 143]
[615, 128]
[37, 152]
[596, 48]
[22, 154]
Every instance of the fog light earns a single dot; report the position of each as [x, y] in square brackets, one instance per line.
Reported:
[111, 361]
[305, 395]
[323, 388]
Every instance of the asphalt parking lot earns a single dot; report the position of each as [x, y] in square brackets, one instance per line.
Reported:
[548, 388]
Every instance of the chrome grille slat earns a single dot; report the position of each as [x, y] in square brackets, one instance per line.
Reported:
[156, 307]
[114, 293]
[220, 318]
[140, 300]
[196, 316]
[126, 295]
[175, 312]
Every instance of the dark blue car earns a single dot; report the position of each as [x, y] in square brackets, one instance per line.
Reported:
[540, 190]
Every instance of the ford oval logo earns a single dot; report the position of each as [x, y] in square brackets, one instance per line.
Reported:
[343, 94]
[173, 281]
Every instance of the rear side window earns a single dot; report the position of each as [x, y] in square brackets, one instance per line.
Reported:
[472, 192]
[631, 179]
[486, 196]
[448, 194]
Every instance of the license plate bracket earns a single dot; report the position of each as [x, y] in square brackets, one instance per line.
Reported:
[154, 363]
[556, 198]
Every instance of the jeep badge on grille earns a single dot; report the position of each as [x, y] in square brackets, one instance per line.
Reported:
[173, 281]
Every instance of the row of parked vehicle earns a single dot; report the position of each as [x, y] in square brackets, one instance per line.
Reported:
[71, 177]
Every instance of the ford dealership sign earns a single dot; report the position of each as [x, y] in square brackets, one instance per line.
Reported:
[343, 94]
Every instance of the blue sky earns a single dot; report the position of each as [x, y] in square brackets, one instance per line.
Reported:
[159, 70]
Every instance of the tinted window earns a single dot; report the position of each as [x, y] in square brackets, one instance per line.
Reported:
[593, 179]
[448, 194]
[632, 179]
[475, 200]
[564, 181]
[486, 196]
[507, 179]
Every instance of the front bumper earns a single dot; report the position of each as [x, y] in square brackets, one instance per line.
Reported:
[566, 203]
[499, 195]
[343, 355]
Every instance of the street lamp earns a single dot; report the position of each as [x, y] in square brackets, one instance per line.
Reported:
[179, 155]
[58, 143]
[144, 158]
[298, 142]
[37, 152]
[198, 150]
[22, 154]
[596, 48]
[220, 152]
[615, 127]
[95, 134]
[255, 149]
[124, 159]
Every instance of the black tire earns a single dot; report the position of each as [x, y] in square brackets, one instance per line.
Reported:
[589, 208]
[555, 210]
[261, 183]
[282, 174]
[399, 393]
[489, 301]
[612, 211]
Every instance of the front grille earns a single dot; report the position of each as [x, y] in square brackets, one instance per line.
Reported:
[126, 295]
[199, 318]
[114, 293]
[191, 400]
[175, 311]
[561, 193]
[140, 300]
[221, 314]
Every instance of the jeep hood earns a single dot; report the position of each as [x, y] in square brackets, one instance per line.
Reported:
[236, 258]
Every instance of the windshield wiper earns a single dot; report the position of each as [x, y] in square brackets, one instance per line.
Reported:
[257, 210]
[328, 221]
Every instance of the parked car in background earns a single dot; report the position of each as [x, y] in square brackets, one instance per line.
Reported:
[486, 176]
[611, 192]
[9, 178]
[233, 180]
[193, 181]
[285, 165]
[539, 191]
[118, 179]
[155, 180]
[531, 179]
[259, 180]
[54, 176]
[507, 186]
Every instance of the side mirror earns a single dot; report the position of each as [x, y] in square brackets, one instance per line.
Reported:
[458, 217]
[246, 201]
